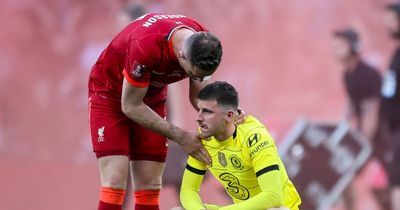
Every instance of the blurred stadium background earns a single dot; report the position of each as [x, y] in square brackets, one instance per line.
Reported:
[277, 53]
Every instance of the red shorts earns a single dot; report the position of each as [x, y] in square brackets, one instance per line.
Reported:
[113, 133]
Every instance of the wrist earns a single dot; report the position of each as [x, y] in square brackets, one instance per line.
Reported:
[176, 134]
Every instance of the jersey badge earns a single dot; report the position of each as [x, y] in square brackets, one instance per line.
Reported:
[137, 70]
[222, 159]
[100, 133]
[236, 162]
[253, 139]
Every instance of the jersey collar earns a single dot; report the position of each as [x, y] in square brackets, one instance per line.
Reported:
[169, 39]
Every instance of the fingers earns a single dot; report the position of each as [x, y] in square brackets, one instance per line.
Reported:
[241, 111]
[196, 149]
[201, 153]
[239, 120]
[241, 117]
[206, 158]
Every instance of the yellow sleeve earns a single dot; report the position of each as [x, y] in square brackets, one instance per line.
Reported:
[269, 197]
[212, 206]
[262, 150]
[191, 182]
[265, 160]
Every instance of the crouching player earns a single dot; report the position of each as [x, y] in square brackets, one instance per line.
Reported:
[244, 158]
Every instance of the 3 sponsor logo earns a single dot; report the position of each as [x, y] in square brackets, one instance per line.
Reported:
[233, 186]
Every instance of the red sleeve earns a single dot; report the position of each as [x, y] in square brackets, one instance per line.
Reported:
[139, 63]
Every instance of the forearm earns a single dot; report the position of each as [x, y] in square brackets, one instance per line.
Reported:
[348, 112]
[263, 200]
[189, 194]
[194, 88]
[269, 197]
[146, 117]
[212, 206]
[190, 199]
[369, 125]
[369, 120]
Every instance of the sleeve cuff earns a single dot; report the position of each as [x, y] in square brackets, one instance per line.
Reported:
[134, 82]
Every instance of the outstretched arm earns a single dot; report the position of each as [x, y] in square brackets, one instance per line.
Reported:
[194, 88]
[132, 105]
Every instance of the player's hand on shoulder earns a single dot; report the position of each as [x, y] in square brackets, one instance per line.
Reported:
[241, 116]
[191, 144]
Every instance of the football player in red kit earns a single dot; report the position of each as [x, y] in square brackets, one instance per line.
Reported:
[127, 95]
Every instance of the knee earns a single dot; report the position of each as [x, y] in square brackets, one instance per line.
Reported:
[114, 172]
[115, 179]
[146, 182]
[147, 175]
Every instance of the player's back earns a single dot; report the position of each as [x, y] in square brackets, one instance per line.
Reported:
[143, 49]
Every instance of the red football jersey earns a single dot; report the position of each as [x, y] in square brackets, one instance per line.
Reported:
[142, 52]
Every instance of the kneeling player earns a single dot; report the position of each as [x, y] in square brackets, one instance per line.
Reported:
[244, 157]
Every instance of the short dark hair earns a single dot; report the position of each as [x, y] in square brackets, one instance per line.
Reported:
[351, 37]
[394, 7]
[204, 51]
[223, 92]
[134, 11]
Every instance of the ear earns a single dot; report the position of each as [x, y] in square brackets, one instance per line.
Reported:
[230, 117]
[181, 55]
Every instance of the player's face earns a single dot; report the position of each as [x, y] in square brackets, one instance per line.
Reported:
[211, 118]
[391, 21]
[341, 48]
[191, 70]
[123, 20]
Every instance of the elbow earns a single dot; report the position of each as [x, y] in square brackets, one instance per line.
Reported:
[183, 196]
[275, 199]
[183, 201]
[125, 109]
[128, 109]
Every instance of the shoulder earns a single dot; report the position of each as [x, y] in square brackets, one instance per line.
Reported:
[250, 124]
[252, 131]
[370, 71]
[395, 61]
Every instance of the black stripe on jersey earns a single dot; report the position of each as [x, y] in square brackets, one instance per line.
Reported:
[234, 133]
[195, 170]
[267, 169]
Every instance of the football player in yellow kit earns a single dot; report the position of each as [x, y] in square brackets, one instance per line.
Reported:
[244, 158]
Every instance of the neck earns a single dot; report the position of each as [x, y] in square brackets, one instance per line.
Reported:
[178, 39]
[228, 132]
[351, 62]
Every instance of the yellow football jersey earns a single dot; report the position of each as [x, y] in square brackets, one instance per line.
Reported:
[240, 161]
